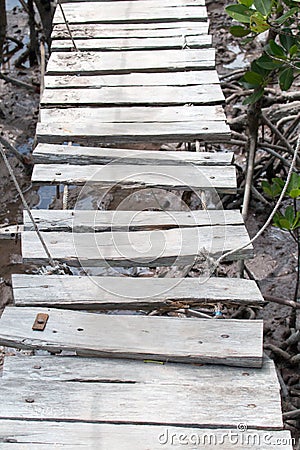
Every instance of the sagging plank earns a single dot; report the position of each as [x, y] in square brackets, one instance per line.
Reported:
[85, 292]
[123, 11]
[166, 2]
[133, 43]
[96, 436]
[222, 179]
[66, 154]
[89, 133]
[133, 79]
[108, 370]
[139, 248]
[95, 221]
[137, 337]
[93, 63]
[209, 94]
[133, 30]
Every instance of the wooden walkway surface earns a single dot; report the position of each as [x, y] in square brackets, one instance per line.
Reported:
[116, 377]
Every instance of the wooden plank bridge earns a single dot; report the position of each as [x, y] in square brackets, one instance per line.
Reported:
[143, 71]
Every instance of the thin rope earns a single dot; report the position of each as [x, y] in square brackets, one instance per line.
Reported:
[25, 204]
[68, 27]
[276, 207]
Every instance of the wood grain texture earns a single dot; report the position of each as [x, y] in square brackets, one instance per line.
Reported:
[128, 403]
[131, 95]
[108, 370]
[62, 154]
[89, 133]
[85, 292]
[139, 248]
[126, 176]
[131, 30]
[131, 43]
[122, 11]
[94, 436]
[197, 77]
[89, 221]
[137, 337]
[93, 63]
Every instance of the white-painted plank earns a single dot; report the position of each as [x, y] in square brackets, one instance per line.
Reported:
[122, 11]
[110, 44]
[139, 248]
[94, 436]
[47, 153]
[85, 292]
[133, 79]
[137, 337]
[126, 176]
[89, 133]
[109, 370]
[130, 30]
[93, 63]
[131, 95]
[166, 2]
[94, 221]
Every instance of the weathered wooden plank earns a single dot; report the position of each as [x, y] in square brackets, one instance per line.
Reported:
[89, 133]
[185, 178]
[167, 2]
[133, 79]
[138, 248]
[129, 43]
[75, 292]
[10, 231]
[95, 436]
[131, 95]
[89, 221]
[47, 153]
[128, 403]
[137, 337]
[109, 370]
[133, 30]
[122, 11]
[93, 63]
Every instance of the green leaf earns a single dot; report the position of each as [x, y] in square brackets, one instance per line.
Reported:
[247, 2]
[293, 189]
[275, 49]
[258, 23]
[239, 12]
[293, 50]
[286, 39]
[263, 6]
[273, 190]
[281, 222]
[258, 69]
[253, 98]
[280, 20]
[239, 31]
[286, 78]
[266, 62]
[253, 78]
[296, 223]
[289, 214]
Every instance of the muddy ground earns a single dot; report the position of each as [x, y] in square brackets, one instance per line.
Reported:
[274, 264]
